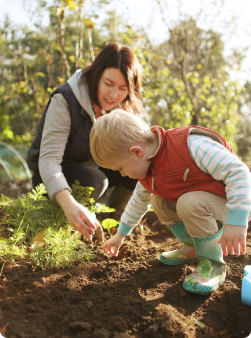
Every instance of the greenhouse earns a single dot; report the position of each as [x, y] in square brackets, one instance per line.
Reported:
[13, 162]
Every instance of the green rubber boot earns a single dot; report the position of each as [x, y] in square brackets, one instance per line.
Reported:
[211, 270]
[186, 253]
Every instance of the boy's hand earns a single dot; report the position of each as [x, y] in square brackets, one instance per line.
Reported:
[233, 240]
[112, 245]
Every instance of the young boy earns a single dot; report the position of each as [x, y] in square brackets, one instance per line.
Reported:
[195, 183]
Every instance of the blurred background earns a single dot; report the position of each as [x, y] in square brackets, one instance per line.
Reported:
[195, 57]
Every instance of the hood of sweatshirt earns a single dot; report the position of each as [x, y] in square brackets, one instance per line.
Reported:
[81, 92]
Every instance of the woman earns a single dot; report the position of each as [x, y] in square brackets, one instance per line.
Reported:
[60, 152]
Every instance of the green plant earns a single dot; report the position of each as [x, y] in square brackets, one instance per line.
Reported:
[61, 249]
[33, 215]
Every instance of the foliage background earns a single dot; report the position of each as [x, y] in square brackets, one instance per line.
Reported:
[188, 79]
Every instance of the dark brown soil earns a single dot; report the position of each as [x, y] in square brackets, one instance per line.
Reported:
[133, 295]
[14, 188]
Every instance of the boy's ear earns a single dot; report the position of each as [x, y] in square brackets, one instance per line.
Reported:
[137, 150]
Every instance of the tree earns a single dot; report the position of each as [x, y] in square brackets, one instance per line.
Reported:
[200, 88]
[37, 61]
[188, 82]
[186, 78]
[243, 137]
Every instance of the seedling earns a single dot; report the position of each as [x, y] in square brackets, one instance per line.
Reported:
[110, 224]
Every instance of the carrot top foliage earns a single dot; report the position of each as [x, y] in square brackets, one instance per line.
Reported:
[34, 228]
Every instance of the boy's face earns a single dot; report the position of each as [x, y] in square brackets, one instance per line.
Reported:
[132, 165]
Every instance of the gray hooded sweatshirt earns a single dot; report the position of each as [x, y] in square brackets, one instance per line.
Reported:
[55, 135]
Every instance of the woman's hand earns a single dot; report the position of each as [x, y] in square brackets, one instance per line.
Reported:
[233, 240]
[112, 245]
[77, 215]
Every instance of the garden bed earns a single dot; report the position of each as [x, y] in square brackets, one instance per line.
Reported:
[133, 295]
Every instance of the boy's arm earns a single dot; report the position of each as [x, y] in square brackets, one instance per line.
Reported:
[136, 208]
[113, 244]
[216, 160]
[233, 240]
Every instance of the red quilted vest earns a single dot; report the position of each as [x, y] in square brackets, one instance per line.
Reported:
[173, 172]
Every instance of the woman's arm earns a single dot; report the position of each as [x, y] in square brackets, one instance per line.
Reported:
[55, 136]
[77, 215]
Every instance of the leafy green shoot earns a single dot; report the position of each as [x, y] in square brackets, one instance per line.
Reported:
[34, 215]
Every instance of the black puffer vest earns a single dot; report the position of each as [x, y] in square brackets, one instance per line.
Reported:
[78, 145]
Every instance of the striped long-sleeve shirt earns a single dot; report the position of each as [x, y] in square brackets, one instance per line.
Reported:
[214, 159]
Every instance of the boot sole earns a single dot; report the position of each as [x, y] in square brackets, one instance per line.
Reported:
[202, 289]
[176, 261]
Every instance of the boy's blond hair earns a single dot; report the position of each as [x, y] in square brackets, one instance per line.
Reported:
[113, 134]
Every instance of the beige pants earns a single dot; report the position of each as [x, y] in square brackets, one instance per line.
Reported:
[199, 211]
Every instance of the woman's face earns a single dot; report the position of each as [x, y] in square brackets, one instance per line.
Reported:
[112, 88]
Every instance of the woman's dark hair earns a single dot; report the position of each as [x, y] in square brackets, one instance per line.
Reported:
[123, 58]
